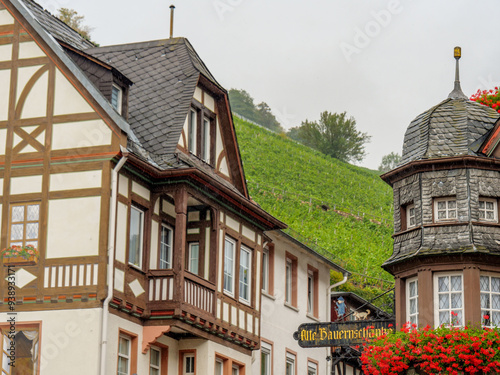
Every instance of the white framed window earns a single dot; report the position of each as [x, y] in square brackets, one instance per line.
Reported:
[166, 247]
[265, 358]
[245, 274]
[136, 236]
[412, 300]
[117, 98]
[189, 364]
[192, 130]
[490, 300]
[265, 270]
[205, 152]
[219, 367]
[445, 209]
[154, 361]
[310, 292]
[124, 345]
[488, 209]
[290, 364]
[26, 351]
[410, 216]
[448, 299]
[194, 257]
[288, 281]
[312, 368]
[229, 252]
[235, 370]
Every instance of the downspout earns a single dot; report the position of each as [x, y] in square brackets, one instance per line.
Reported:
[329, 368]
[111, 257]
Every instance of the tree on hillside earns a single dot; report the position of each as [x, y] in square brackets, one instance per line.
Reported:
[335, 135]
[242, 104]
[389, 162]
[71, 18]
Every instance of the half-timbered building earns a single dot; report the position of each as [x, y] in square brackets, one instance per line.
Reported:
[128, 230]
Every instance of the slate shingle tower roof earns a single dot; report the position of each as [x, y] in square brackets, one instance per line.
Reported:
[454, 127]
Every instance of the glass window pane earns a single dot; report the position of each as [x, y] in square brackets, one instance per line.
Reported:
[452, 205]
[456, 300]
[443, 284]
[31, 231]
[16, 232]
[17, 213]
[228, 266]
[135, 239]
[452, 214]
[485, 301]
[444, 302]
[484, 281]
[33, 212]
[495, 284]
[413, 306]
[495, 301]
[441, 205]
[441, 215]
[444, 317]
[456, 283]
[489, 206]
[194, 253]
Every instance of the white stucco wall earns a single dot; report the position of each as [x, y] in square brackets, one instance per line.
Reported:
[279, 321]
[69, 339]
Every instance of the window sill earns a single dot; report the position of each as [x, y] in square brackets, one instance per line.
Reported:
[312, 317]
[270, 296]
[296, 309]
[135, 268]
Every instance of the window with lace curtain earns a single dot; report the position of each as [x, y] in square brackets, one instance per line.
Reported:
[25, 359]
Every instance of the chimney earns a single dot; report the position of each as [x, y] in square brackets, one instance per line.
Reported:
[172, 7]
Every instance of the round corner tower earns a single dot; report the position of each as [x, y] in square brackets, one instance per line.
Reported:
[446, 257]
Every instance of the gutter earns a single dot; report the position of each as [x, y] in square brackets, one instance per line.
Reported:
[329, 318]
[111, 258]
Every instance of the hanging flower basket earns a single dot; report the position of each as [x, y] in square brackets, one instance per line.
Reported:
[20, 255]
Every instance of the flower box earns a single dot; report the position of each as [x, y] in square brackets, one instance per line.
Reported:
[20, 261]
[19, 255]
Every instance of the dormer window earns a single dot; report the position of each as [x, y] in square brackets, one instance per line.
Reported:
[488, 209]
[201, 132]
[116, 98]
[445, 209]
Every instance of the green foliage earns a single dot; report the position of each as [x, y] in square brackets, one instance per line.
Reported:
[335, 135]
[71, 18]
[242, 103]
[389, 162]
[340, 209]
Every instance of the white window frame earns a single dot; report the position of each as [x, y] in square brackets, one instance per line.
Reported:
[265, 270]
[312, 368]
[155, 366]
[192, 130]
[126, 356]
[289, 281]
[191, 357]
[266, 351]
[493, 313]
[310, 292]
[410, 215]
[219, 366]
[457, 319]
[166, 247]
[23, 224]
[241, 284]
[450, 213]
[141, 237]
[205, 156]
[192, 257]
[235, 370]
[119, 92]
[484, 210]
[290, 360]
[229, 269]
[411, 317]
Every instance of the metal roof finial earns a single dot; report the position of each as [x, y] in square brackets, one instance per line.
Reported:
[457, 90]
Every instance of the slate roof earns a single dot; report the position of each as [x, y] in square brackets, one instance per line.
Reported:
[56, 27]
[165, 74]
[454, 127]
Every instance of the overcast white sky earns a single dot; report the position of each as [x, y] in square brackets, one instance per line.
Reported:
[383, 62]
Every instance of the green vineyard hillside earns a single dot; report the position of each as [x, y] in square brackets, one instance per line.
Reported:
[340, 210]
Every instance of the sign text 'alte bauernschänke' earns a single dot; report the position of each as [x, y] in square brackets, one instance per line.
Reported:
[312, 335]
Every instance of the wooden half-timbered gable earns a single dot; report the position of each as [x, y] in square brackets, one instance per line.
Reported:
[120, 165]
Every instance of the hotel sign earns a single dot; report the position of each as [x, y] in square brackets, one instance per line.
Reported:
[311, 335]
